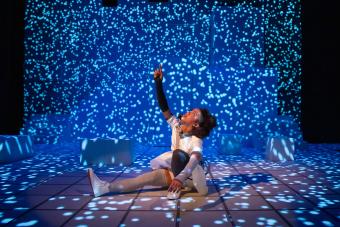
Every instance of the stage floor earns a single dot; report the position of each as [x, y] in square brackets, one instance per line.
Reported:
[52, 189]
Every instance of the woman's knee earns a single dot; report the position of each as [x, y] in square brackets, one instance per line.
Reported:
[180, 155]
[179, 161]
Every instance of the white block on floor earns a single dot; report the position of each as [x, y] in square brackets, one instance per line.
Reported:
[230, 144]
[15, 147]
[102, 151]
[280, 149]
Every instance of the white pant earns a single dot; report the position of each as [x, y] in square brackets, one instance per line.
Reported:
[162, 161]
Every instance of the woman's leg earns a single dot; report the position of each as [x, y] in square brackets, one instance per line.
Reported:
[158, 177]
[179, 161]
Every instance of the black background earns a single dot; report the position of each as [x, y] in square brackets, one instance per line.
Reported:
[320, 69]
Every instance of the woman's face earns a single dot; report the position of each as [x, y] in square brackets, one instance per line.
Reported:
[191, 120]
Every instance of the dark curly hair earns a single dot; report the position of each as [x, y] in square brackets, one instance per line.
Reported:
[209, 122]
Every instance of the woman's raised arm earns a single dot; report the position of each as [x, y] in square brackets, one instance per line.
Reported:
[163, 104]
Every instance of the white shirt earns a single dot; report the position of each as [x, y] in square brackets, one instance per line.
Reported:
[186, 143]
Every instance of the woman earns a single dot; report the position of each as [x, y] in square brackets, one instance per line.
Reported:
[173, 168]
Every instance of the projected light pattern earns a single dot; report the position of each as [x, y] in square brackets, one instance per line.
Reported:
[243, 190]
[239, 35]
[88, 68]
[276, 126]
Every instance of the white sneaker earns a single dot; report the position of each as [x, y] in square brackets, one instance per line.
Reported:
[173, 195]
[198, 178]
[99, 187]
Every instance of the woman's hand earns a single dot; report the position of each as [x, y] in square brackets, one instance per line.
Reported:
[175, 185]
[158, 73]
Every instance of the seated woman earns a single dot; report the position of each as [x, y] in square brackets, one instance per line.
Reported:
[176, 167]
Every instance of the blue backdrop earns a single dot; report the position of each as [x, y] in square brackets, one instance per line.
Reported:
[88, 68]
